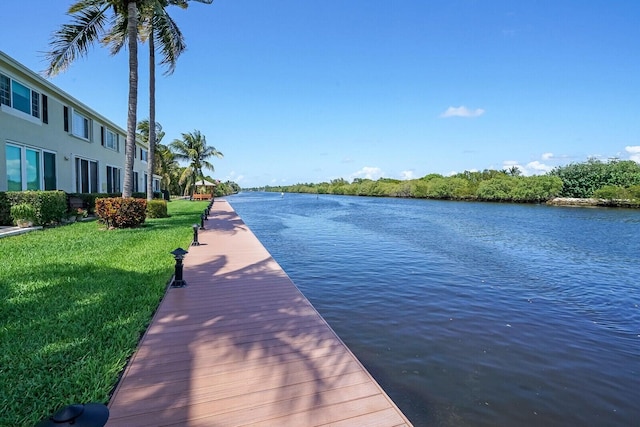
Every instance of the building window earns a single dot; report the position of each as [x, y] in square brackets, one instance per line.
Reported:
[32, 166]
[14, 168]
[144, 155]
[86, 176]
[109, 138]
[26, 168]
[5, 90]
[156, 185]
[18, 96]
[113, 180]
[49, 160]
[135, 182]
[80, 125]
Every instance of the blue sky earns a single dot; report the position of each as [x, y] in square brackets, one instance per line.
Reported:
[308, 91]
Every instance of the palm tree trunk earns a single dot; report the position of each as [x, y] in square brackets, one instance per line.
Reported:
[132, 30]
[152, 113]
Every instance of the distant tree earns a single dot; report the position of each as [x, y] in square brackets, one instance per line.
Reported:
[583, 179]
[194, 149]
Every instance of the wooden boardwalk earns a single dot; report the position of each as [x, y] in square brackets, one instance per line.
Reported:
[241, 346]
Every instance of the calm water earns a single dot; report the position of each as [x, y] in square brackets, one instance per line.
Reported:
[472, 314]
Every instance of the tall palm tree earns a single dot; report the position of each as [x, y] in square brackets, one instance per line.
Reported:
[194, 149]
[164, 163]
[156, 25]
[89, 18]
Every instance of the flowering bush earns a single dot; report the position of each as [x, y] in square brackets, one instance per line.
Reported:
[117, 212]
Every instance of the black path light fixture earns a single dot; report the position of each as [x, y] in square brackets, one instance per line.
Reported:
[202, 217]
[77, 415]
[206, 214]
[178, 282]
[195, 236]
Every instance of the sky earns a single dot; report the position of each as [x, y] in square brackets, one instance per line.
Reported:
[295, 91]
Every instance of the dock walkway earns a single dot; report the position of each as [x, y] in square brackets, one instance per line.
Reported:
[241, 346]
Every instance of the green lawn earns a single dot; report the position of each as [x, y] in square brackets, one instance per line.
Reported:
[74, 301]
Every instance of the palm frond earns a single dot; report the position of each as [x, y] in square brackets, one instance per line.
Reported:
[116, 38]
[73, 40]
[169, 38]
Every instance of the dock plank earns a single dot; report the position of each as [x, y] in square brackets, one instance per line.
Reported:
[241, 346]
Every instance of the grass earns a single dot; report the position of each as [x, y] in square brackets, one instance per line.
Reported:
[74, 301]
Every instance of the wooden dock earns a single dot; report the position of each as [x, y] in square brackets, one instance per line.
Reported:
[241, 346]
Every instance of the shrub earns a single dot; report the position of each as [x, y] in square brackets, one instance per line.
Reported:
[118, 212]
[634, 192]
[497, 189]
[157, 209]
[50, 206]
[611, 192]
[23, 212]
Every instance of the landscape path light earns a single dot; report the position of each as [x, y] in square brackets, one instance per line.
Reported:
[202, 222]
[178, 281]
[77, 415]
[195, 236]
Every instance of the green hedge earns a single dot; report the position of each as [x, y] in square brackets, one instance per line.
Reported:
[89, 199]
[5, 206]
[50, 206]
[157, 209]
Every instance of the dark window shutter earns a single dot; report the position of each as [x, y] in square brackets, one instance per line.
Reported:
[45, 109]
[102, 135]
[66, 118]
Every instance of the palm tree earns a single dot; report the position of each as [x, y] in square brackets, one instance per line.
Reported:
[164, 163]
[156, 25]
[193, 148]
[88, 26]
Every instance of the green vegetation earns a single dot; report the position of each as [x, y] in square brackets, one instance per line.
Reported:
[487, 185]
[23, 212]
[583, 179]
[614, 183]
[193, 148]
[74, 302]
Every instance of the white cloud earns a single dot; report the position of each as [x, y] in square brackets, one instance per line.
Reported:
[367, 172]
[462, 111]
[532, 168]
[232, 176]
[634, 152]
[547, 156]
[536, 167]
[407, 175]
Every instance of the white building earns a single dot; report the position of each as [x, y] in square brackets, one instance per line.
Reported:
[51, 141]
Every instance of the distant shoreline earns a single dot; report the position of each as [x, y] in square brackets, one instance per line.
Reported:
[591, 202]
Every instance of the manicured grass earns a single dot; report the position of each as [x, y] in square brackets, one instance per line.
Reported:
[74, 301]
